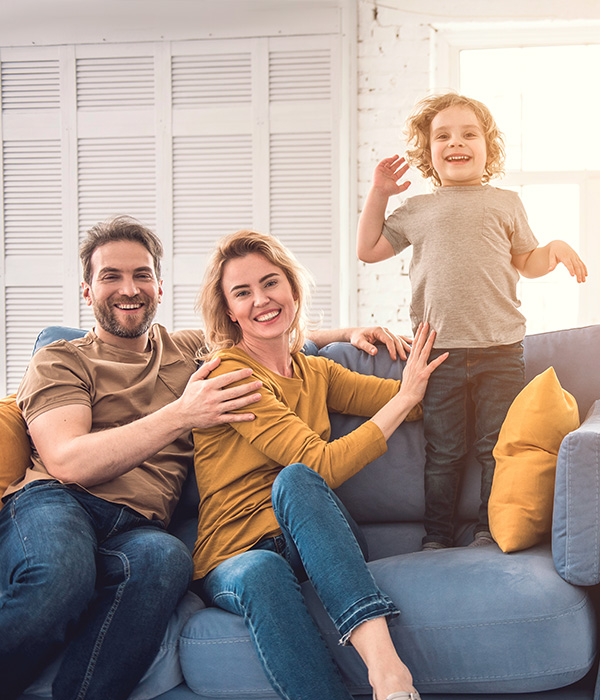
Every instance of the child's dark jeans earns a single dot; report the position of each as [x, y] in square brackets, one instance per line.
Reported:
[473, 382]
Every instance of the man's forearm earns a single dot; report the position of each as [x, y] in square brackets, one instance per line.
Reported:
[322, 338]
[91, 458]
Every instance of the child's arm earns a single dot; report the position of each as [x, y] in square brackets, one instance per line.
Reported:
[540, 261]
[371, 246]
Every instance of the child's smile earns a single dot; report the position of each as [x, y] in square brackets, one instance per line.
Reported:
[458, 147]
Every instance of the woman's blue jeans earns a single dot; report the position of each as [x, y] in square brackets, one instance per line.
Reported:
[465, 404]
[263, 586]
[91, 577]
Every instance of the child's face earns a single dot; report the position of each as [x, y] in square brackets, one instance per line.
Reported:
[458, 147]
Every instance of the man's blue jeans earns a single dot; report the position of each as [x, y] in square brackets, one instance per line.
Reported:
[88, 576]
[466, 401]
[263, 585]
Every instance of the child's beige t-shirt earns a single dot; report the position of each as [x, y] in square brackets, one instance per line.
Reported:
[463, 281]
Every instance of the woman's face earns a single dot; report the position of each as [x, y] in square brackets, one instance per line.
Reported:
[259, 297]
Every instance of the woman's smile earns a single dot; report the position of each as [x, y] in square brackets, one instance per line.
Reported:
[268, 316]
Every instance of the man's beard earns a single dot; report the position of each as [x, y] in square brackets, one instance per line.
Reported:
[107, 320]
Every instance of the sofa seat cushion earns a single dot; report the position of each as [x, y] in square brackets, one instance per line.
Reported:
[473, 621]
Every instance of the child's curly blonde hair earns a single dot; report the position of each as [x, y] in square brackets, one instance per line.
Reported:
[418, 134]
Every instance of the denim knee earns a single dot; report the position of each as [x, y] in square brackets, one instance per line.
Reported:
[257, 577]
[151, 560]
[291, 479]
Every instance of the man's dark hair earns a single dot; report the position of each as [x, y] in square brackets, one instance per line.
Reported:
[121, 228]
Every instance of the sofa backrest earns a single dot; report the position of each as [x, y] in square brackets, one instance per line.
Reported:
[574, 354]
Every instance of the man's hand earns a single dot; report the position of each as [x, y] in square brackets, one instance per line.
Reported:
[366, 338]
[71, 452]
[209, 402]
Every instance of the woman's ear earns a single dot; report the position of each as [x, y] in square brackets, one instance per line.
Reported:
[231, 316]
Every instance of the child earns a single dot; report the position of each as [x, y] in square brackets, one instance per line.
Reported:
[470, 242]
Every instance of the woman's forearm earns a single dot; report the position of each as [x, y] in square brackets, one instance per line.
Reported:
[388, 418]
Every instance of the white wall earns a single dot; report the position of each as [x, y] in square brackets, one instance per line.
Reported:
[395, 64]
[26, 22]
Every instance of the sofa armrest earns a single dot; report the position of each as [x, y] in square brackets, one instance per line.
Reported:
[576, 518]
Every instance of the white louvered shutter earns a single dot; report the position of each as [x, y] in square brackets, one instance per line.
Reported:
[213, 87]
[304, 151]
[32, 202]
[255, 145]
[116, 141]
[196, 139]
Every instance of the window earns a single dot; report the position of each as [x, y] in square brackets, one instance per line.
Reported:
[194, 138]
[541, 99]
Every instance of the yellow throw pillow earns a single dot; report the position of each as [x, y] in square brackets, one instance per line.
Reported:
[15, 450]
[520, 507]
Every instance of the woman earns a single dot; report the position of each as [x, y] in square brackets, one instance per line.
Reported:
[264, 526]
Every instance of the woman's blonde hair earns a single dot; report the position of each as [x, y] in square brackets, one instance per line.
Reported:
[221, 332]
[418, 134]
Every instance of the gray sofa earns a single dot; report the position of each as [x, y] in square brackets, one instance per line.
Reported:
[476, 623]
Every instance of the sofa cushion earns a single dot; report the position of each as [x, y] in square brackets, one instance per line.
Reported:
[473, 621]
[14, 443]
[576, 524]
[520, 506]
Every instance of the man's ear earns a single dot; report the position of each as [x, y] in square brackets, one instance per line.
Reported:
[161, 291]
[86, 292]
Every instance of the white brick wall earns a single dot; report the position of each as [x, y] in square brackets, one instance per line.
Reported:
[393, 72]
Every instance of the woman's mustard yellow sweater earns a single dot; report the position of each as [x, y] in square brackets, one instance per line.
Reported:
[237, 463]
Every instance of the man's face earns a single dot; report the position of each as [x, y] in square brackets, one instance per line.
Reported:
[124, 292]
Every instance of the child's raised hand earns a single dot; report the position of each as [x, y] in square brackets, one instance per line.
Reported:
[387, 173]
[561, 252]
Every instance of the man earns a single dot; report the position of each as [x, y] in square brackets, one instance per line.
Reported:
[85, 562]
